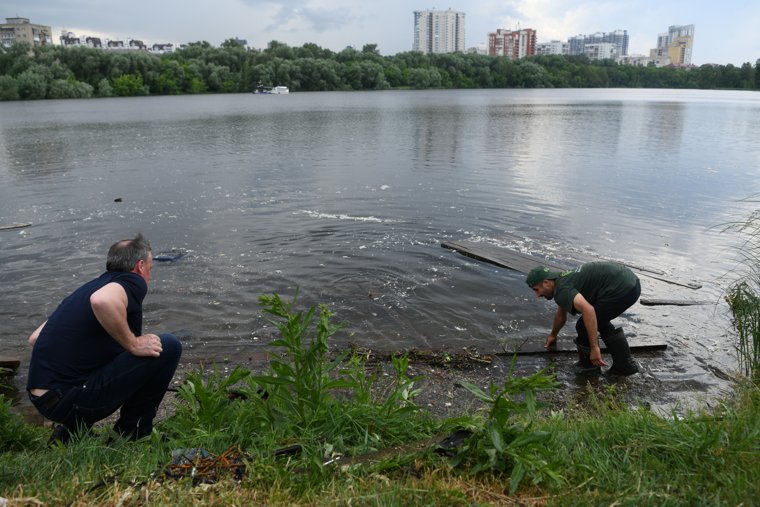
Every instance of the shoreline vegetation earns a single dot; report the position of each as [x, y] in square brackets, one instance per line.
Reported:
[56, 72]
[316, 428]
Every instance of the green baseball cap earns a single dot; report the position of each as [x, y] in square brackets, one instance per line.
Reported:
[539, 274]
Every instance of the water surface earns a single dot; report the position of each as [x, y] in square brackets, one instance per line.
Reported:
[347, 197]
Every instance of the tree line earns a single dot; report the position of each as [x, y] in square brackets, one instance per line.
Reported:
[55, 72]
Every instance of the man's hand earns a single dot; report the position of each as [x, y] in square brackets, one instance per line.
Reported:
[596, 356]
[147, 345]
[551, 341]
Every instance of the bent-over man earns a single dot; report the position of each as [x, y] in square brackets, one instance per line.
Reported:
[598, 291]
[90, 357]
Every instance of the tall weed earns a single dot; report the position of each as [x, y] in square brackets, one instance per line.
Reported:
[508, 441]
[744, 296]
[745, 307]
[325, 404]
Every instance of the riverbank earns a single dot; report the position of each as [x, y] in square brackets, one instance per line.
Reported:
[439, 376]
[603, 452]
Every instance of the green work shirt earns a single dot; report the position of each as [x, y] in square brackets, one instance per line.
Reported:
[596, 281]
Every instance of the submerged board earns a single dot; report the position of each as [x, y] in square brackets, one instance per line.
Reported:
[523, 263]
[567, 346]
[13, 226]
[673, 302]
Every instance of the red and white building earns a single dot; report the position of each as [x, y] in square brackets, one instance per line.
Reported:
[514, 44]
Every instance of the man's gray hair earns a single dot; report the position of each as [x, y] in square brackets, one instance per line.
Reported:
[125, 254]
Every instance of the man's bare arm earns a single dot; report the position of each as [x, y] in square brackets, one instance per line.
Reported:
[109, 303]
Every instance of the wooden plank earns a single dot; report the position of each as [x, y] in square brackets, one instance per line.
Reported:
[13, 226]
[9, 363]
[672, 302]
[523, 263]
[568, 347]
[688, 285]
[499, 256]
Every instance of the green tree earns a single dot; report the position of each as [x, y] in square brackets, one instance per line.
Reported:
[8, 88]
[748, 77]
[263, 74]
[104, 88]
[31, 85]
[69, 89]
[129, 85]
[16, 59]
[534, 75]
[197, 85]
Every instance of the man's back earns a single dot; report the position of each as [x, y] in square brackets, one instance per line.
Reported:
[73, 343]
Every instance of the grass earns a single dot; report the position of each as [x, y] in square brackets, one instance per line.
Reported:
[744, 302]
[359, 448]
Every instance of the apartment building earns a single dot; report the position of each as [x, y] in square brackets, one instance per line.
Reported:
[676, 44]
[438, 31]
[601, 51]
[17, 30]
[514, 44]
[555, 47]
[620, 38]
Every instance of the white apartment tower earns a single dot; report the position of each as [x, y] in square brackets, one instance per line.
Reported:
[438, 31]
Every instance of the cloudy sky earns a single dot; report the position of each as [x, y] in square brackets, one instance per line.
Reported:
[726, 31]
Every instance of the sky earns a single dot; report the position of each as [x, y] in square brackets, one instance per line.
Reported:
[726, 31]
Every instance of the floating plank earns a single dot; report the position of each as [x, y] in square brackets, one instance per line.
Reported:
[672, 302]
[523, 263]
[688, 285]
[13, 226]
[499, 256]
[568, 347]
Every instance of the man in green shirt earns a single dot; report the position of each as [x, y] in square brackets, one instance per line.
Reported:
[598, 291]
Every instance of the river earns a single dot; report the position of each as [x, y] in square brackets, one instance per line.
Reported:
[348, 196]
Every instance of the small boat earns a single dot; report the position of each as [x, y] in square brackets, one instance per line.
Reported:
[271, 90]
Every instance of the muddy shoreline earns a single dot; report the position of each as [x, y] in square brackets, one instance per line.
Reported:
[438, 376]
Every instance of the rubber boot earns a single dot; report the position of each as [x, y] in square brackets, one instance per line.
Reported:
[622, 362]
[584, 366]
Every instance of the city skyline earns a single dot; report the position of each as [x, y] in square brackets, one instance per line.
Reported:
[725, 32]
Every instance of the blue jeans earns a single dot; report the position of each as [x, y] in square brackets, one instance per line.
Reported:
[605, 312]
[136, 384]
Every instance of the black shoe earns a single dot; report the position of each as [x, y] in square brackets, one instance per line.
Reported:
[60, 436]
[622, 361]
[586, 371]
[584, 366]
[623, 369]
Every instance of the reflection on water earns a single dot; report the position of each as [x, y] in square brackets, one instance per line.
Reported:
[348, 196]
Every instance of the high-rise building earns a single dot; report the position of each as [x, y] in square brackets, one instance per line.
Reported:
[514, 44]
[601, 51]
[16, 30]
[555, 47]
[438, 31]
[577, 44]
[676, 44]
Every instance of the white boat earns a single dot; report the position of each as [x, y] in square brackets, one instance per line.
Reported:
[271, 90]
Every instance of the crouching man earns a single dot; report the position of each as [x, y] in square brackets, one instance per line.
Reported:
[90, 357]
[599, 291]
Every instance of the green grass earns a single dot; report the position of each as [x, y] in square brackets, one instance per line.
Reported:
[381, 448]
